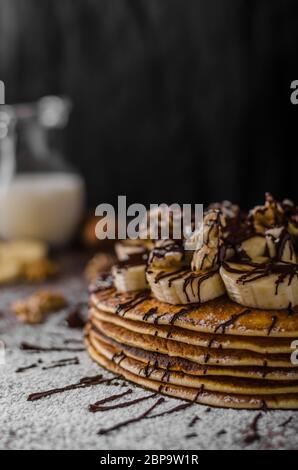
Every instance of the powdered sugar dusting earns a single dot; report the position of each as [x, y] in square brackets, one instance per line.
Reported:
[62, 421]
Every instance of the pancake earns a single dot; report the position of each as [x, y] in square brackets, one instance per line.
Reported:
[206, 340]
[202, 396]
[229, 357]
[189, 367]
[219, 316]
[224, 384]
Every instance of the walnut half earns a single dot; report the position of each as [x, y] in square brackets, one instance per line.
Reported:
[33, 309]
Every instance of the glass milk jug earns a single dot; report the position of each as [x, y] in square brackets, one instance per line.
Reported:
[41, 196]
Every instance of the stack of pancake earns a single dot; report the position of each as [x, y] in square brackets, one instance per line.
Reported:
[218, 353]
[215, 325]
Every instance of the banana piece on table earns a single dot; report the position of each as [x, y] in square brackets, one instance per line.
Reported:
[10, 271]
[17, 255]
[24, 251]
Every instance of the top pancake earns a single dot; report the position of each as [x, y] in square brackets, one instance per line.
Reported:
[220, 316]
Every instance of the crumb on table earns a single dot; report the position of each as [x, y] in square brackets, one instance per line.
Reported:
[32, 309]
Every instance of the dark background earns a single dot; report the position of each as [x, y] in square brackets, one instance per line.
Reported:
[175, 100]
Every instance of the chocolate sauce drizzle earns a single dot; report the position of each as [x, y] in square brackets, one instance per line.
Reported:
[172, 275]
[285, 423]
[137, 259]
[83, 383]
[206, 358]
[171, 246]
[75, 318]
[145, 369]
[191, 435]
[253, 434]
[266, 369]
[231, 321]
[291, 311]
[182, 313]
[167, 374]
[151, 313]
[148, 369]
[24, 369]
[283, 269]
[24, 346]
[139, 298]
[132, 420]
[118, 357]
[193, 421]
[180, 407]
[94, 406]
[125, 404]
[273, 323]
[71, 361]
[176, 316]
[189, 280]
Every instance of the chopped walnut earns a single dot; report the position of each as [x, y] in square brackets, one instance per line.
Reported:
[33, 309]
[270, 215]
[101, 262]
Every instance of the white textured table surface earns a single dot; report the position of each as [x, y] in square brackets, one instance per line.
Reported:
[63, 421]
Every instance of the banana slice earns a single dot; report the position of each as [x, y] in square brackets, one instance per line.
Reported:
[253, 247]
[130, 275]
[262, 285]
[168, 254]
[170, 277]
[280, 246]
[125, 249]
[10, 271]
[183, 286]
[23, 251]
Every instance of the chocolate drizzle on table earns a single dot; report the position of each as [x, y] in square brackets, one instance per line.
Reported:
[24, 369]
[124, 404]
[24, 346]
[75, 317]
[132, 420]
[193, 421]
[285, 423]
[83, 383]
[69, 361]
[94, 407]
[253, 434]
